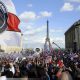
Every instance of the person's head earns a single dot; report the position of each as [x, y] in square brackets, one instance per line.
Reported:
[7, 67]
[24, 79]
[8, 74]
[66, 76]
[11, 65]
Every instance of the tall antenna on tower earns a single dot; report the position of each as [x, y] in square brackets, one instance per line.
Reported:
[47, 29]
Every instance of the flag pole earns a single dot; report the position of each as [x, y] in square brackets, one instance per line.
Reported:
[21, 40]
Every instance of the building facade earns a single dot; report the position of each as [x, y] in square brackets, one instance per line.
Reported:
[72, 37]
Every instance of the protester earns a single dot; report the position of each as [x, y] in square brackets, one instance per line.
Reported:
[55, 67]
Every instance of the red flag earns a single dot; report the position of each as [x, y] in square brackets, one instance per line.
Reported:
[13, 22]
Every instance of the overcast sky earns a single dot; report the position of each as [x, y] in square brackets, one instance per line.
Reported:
[34, 14]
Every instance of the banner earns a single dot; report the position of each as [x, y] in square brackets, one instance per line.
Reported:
[48, 59]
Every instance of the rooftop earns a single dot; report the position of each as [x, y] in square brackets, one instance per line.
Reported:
[74, 25]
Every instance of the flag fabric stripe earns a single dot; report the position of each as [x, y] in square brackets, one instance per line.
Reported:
[13, 22]
[10, 38]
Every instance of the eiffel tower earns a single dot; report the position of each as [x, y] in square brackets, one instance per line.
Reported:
[47, 45]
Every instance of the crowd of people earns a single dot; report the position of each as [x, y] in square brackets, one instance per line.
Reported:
[65, 66]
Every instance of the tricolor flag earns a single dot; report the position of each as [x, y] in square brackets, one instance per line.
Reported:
[12, 36]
